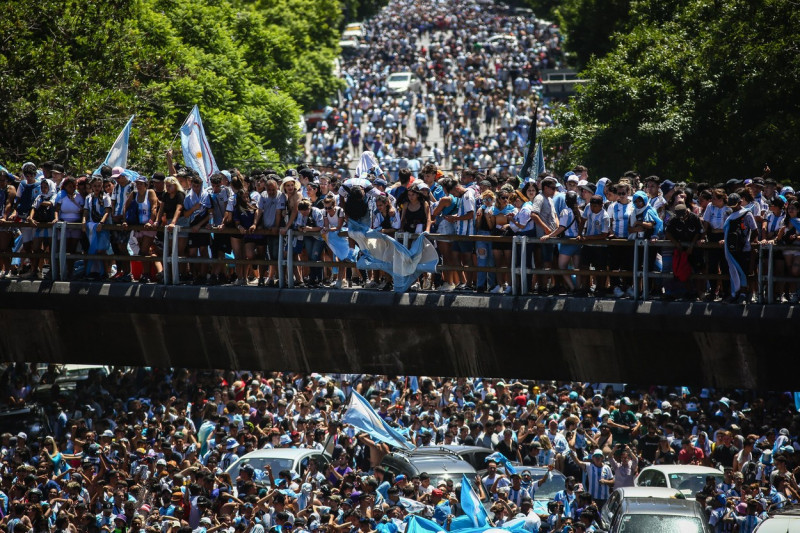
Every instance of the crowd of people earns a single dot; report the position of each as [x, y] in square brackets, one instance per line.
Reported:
[585, 218]
[479, 77]
[146, 450]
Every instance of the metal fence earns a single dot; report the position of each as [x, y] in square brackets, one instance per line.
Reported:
[520, 270]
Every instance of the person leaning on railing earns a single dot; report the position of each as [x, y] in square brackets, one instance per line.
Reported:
[69, 207]
[569, 226]
[96, 213]
[8, 194]
[42, 215]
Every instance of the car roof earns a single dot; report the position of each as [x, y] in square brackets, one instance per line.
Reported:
[649, 492]
[434, 462]
[683, 469]
[660, 506]
[779, 524]
[455, 448]
[280, 453]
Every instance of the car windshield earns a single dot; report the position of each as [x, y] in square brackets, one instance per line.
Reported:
[259, 463]
[637, 523]
[692, 483]
[27, 422]
[549, 488]
[396, 78]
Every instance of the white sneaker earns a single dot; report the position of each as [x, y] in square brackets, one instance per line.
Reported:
[371, 285]
[427, 282]
[447, 287]
[618, 292]
[496, 290]
[507, 290]
[338, 284]
[2, 274]
[629, 292]
[415, 286]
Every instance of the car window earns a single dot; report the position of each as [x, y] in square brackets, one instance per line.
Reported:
[692, 482]
[658, 480]
[636, 523]
[259, 463]
[645, 479]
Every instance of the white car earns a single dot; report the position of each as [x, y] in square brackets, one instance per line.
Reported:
[689, 479]
[618, 496]
[502, 41]
[402, 82]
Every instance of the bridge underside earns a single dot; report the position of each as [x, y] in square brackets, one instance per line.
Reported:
[416, 334]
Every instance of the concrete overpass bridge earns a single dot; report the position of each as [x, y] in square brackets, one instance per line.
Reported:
[418, 333]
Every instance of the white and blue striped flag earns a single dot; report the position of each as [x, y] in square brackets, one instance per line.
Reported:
[361, 415]
[471, 504]
[503, 460]
[196, 150]
[118, 155]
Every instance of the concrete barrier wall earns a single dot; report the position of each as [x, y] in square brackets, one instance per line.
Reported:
[418, 333]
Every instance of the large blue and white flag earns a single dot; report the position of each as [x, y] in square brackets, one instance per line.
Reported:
[471, 504]
[368, 164]
[196, 150]
[382, 252]
[418, 524]
[361, 415]
[503, 460]
[118, 155]
[738, 277]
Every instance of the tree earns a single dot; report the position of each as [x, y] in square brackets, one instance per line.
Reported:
[71, 73]
[706, 92]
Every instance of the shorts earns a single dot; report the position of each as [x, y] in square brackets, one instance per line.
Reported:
[120, 237]
[27, 234]
[790, 253]
[464, 247]
[569, 249]
[446, 228]
[72, 233]
[140, 234]
[272, 247]
[220, 243]
[596, 256]
[548, 251]
[183, 222]
[43, 233]
[199, 240]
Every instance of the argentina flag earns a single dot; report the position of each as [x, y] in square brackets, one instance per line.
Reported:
[361, 415]
[471, 504]
[196, 150]
[503, 460]
[118, 155]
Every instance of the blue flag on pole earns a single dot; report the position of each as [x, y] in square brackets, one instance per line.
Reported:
[797, 400]
[196, 150]
[418, 524]
[471, 504]
[361, 415]
[118, 155]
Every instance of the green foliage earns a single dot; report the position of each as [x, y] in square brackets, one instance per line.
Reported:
[588, 26]
[71, 73]
[706, 91]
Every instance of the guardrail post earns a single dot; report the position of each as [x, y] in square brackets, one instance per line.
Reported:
[290, 258]
[280, 261]
[770, 281]
[645, 270]
[523, 264]
[176, 275]
[406, 238]
[514, 280]
[635, 269]
[165, 258]
[60, 229]
[760, 274]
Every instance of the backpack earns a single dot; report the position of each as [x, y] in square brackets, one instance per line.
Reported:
[45, 213]
[132, 212]
[738, 234]
[749, 471]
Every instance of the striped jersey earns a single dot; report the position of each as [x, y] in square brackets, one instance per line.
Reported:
[467, 205]
[619, 215]
[593, 476]
[567, 219]
[596, 223]
[774, 222]
[715, 216]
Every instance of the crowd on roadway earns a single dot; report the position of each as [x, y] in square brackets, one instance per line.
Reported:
[588, 220]
[146, 450]
[475, 78]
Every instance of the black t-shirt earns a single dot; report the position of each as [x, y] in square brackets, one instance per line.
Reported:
[685, 229]
[172, 203]
[509, 450]
[648, 445]
[724, 455]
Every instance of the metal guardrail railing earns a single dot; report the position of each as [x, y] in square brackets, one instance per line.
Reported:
[519, 269]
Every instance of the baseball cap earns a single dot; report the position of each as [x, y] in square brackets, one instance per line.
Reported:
[116, 172]
[597, 453]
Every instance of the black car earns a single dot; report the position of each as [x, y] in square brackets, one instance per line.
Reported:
[30, 420]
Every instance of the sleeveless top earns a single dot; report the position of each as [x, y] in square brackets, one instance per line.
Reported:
[143, 208]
